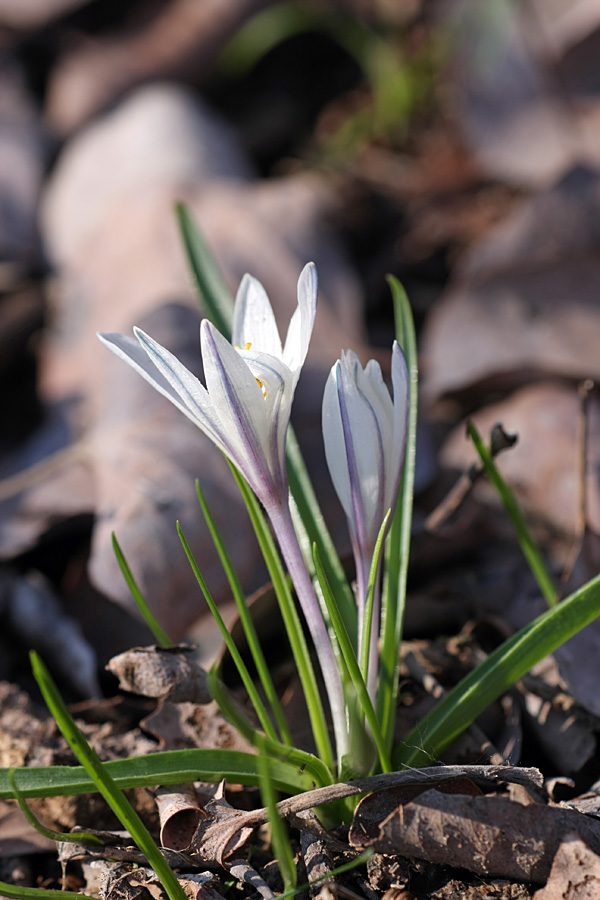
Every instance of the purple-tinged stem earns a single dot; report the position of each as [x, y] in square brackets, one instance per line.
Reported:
[281, 520]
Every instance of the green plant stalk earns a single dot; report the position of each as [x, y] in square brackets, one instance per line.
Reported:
[398, 543]
[115, 798]
[372, 586]
[246, 620]
[509, 662]
[292, 624]
[240, 665]
[529, 547]
[218, 304]
[169, 767]
[160, 636]
[280, 842]
[81, 837]
[352, 663]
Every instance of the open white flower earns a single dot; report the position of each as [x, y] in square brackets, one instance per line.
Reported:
[365, 436]
[245, 407]
[245, 410]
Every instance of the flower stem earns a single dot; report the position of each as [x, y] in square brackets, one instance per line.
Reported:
[282, 523]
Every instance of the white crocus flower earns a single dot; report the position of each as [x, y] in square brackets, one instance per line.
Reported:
[245, 410]
[245, 407]
[365, 436]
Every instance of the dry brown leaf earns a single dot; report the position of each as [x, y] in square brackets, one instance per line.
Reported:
[179, 813]
[224, 830]
[524, 122]
[488, 835]
[575, 873]
[162, 673]
[545, 416]
[27, 15]
[17, 836]
[179, 726]
[525, 302]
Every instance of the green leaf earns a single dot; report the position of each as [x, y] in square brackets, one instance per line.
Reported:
[170, 767]
[509, 662]
[398, 543]
[530, 549]
[240, 665]
[258, 658]
[115, 798]
[352, 663]
[21, 893]
[213, 291]
[280, 842]
[371, 588]
[160, 636]
[80, 837]
[231, 711]
[291, 621]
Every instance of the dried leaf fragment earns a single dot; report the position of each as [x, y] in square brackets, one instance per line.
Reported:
[575, 872]
[162, 673]
[488, 835]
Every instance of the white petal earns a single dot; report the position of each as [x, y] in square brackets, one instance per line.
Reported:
[253, 319]
[335, 444]
[302, 321]
[400, 385]
[191, 392]
[183, 390]
[236, 395]
[278, 385]
[362, 424]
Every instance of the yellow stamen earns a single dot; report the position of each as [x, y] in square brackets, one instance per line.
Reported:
[258, 381]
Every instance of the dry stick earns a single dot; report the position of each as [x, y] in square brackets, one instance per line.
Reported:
[244, 873]
[499, 441]
[584, 391]
[529, 777]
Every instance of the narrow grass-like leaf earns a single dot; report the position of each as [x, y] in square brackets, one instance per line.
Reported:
[530, 549]
[240, 665]
[509, 662]
[254, 646]
[115, 798]
[160, 636]
[213, 291]
[21, 893]
[81, 837]
[265, 745]
[280, 842]
[169, 767]
[291, 621]
[352, 663]
[371, 588]
[398, 543]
